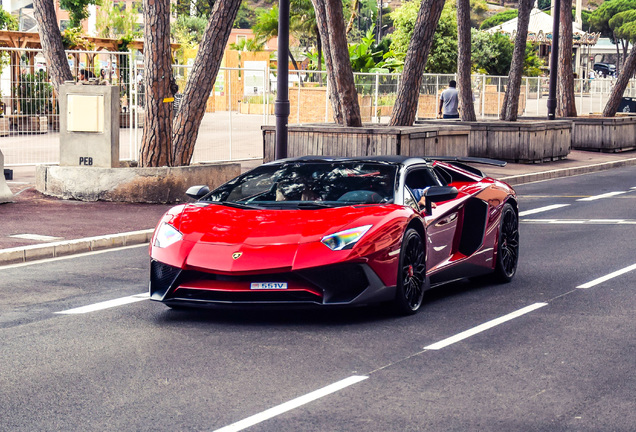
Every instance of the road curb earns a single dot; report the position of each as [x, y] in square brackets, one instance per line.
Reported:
[566, 172]
[28, 253]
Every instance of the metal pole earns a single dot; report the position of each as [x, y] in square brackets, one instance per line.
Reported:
[554, 61]
[281, 106]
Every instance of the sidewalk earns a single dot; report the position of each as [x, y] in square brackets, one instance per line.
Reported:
[35, 226]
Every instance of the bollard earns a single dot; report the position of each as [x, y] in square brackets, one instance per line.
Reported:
[5, 193]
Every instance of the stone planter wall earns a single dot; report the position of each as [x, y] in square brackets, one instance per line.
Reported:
[520, 141]
[371, 140]
[148, 185]
[605, 134]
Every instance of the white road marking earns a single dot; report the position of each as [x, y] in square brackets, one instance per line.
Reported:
[605, 195]
[66, 257]
[106, 304]
[482, 327]
[607, 277]
[292, 404]
[542, 209]
[581, 221]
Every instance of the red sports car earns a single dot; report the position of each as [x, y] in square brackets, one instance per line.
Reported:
[336, 231]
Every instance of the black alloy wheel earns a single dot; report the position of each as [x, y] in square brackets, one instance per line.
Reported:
[411, 274]
[508, 247]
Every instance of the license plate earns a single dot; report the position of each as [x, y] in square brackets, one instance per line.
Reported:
[268, 285]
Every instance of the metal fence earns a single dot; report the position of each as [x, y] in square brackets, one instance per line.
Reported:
[241, 101]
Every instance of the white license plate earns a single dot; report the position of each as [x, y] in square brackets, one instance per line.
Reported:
[268, 285]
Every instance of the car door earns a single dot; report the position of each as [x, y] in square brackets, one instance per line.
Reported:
[441, 225]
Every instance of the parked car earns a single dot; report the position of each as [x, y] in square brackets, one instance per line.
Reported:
[326, 231]
[607, 69]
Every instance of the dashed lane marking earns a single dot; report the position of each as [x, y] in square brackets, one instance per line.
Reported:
[483, 327]
[581, 221]
[602, 196]
[292, 404]
[106, 304]
[607, 277]
[542, 209]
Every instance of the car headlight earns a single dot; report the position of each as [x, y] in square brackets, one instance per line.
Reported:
[167, 235]
[344, 239]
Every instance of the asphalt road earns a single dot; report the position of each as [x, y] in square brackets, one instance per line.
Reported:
[553, 350]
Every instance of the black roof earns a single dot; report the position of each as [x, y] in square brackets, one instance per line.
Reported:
[393, 159]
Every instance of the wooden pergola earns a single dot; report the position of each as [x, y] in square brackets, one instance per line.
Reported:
[30, 42]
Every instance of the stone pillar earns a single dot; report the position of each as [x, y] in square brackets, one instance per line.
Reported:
[89, 125]
[5, 193]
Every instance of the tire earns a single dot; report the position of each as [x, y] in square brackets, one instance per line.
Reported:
[411, 274]
[507, 246]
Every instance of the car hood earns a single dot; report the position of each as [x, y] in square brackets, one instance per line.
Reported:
[229, 239]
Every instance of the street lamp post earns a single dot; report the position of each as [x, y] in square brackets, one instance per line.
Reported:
[281, 105]
[554, 60]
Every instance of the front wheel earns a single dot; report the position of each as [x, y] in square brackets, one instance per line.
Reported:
[508, 245]
[411, 274]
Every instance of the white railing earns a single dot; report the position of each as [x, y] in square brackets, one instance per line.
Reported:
[241, 101]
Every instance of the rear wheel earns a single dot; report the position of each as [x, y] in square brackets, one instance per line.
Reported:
[411, 274]
[508, 245]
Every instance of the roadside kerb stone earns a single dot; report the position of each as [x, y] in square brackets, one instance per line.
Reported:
[566, 172]
[70, 247]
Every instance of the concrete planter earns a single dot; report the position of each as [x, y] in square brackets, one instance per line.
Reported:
[32, 124]
[521, 141]
[370, 140]
[148, 185]
[605, 134]
[5, 126]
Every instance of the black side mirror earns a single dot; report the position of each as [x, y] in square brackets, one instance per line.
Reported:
[437, 194]
[197, 192]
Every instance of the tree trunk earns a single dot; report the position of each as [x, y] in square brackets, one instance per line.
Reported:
[566, 106]
[629, 67]
[204, 71]
[355, 6]
[511, 98]
[51, 40]
[156, 140]
[405, 107]
[464, 62]
[342, 90]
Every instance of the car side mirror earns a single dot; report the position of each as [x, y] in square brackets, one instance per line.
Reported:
[197, 192]
[437, 194]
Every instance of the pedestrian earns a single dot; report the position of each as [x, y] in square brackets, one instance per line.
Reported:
[449, 102]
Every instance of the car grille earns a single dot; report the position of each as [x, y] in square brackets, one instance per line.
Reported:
[162, 276]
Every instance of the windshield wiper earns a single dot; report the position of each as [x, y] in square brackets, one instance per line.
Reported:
[234, 204]
[313, 205]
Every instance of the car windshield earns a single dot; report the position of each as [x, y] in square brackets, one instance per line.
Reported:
[310, 185]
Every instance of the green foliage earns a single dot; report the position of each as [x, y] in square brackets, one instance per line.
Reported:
[77, 10]
[499, 18]
[367, 56]
[532, 63]
[267, 22]
[8, 21]
[113, 22]
[404, 23]
[443, 55]
[544, 4]
[599, 19]
[72, 38]
[188, 31]
[245, 18]
[624, 25]
[255, 44]
[491, 53]
[35, 93]
[478, 11]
